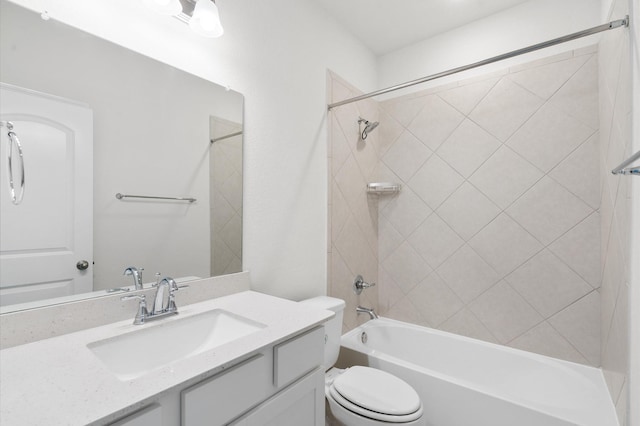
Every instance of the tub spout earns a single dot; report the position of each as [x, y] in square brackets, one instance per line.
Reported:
[370, 311]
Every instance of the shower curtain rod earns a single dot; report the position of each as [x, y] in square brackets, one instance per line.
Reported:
[594, 30]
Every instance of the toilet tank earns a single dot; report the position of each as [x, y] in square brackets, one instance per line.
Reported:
[332, 328]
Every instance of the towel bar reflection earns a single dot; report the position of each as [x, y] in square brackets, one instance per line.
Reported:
[214, 140]
[622, 168]
[120, 196]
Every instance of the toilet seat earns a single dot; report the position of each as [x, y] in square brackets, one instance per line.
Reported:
[376, 395]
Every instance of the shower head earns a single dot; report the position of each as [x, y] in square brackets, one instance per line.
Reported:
[368, 127]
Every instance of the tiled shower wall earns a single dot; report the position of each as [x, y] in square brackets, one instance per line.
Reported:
[225, 157]
[353, 215]
[615, 145]
[496, 232]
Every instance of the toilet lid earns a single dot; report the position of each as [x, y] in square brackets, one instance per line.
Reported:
[388, 418]
[377, 391]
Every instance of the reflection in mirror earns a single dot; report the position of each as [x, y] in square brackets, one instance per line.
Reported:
[226, 196]
[151, 126]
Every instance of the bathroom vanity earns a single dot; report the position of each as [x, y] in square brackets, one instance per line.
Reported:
[244, 359]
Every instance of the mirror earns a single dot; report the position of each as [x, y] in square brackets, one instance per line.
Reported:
[152, 127]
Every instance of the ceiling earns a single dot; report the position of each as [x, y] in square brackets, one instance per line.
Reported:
[385, 26]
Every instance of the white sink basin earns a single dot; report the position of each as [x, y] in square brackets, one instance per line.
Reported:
[157, 345]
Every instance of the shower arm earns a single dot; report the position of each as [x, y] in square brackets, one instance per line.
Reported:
[574, 36]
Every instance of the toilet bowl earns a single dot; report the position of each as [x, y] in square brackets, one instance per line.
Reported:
[363, 396]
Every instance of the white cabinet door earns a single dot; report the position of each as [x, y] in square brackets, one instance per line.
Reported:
[218, 400]
[51, 230]
[301, 404]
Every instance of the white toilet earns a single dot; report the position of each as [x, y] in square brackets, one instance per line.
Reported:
[363, 396]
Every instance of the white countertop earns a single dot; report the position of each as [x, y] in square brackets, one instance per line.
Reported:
[59, 381]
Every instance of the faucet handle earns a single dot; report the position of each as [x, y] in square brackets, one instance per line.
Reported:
[359, 284]
[172, 298]
[142, 313]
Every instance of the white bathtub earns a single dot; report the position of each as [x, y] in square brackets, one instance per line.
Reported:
[468, 382]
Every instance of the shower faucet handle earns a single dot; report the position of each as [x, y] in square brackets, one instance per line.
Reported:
[359, 284]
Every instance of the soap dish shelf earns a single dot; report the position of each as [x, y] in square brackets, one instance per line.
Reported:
[383, 188]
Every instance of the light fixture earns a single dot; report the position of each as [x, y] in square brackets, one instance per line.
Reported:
[206, 20]
[201, 15]
[164, 7]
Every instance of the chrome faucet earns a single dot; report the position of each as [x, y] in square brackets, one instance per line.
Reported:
[370, 311]
[142, 314]
[137, 276]
[169, 286]
[165, 291]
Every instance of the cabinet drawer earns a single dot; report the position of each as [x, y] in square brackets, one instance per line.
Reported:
[296, 357]
[225, 396]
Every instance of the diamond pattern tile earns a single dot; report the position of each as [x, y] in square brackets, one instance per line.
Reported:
[388, 291]
[435, 122]
[579, 323]
[467, 274]
[435, 241]
[435, 181]
[548, 137]
[548, 210]
[467, 324]
[406, 267]
[226, 199]
[576, 174]
[388, 133]
[434, 300]
[545, 80]
[547, 283]
[468, 147]
[495, 234]
[579, 96]
[349, 180]
[464, 220]
[506, 108]
[466, 97]
[406, 212]
[388, 238]
[504, 244]
[353, 221]
[339, 147]
[354, 249]
[579, 248]
[545, 340]
[505, 176]
[504, 312]
[404, 110]
[406, 156]
[404, 310]
[339, 211]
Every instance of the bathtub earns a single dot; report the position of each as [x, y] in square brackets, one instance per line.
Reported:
[468, 382]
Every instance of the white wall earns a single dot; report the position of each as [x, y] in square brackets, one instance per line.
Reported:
[520, 26]
[276, 53]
